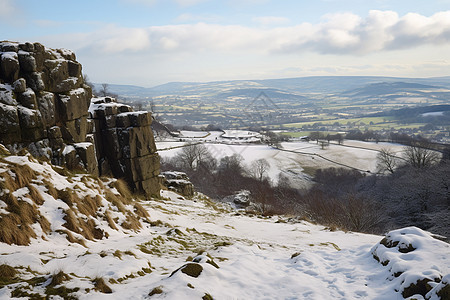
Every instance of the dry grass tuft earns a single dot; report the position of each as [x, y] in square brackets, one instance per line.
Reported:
[71, 221]
[110, 221]
[45, 224]
[122, 188]
[14, 231]
[51, 190]
[141, 211]
[24, 174]
[35, 195]
[111, 197]
[88, 206]
[101, 286]
[156, 291]
[7, 271]
[59, 278]
[67, 196]
[71, 238]
[8, 183]
[88, 229]
[132, 223]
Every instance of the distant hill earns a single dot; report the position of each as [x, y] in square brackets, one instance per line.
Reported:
[387, 88]
[299, 85]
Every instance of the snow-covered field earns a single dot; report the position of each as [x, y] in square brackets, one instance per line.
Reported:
[295, 166]
[189, 249]
[257, 258]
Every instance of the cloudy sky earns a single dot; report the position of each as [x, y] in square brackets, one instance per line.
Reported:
[150, 42]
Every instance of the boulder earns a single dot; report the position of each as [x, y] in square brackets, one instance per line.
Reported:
[179, 182]
[10, 47]
[47, 107]
[71, 159]
[29, 118]
[139, 141]
[7, 96]
[74, 105]
[74, 69]
[39, 53]
[27, 61]
[29, 47]
[28, 99]
[20, 85]
[35, 81]
[149, 187]
[9, 66]
[9, 124]
[86, 152]
[58, 79]
[241, 199]
[75, 131]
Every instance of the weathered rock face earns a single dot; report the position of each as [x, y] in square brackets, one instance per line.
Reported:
[179, 182]
[44, 107]
[125, 144]
[44, 104]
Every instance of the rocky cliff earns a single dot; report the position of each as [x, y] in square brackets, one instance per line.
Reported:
[45, 107]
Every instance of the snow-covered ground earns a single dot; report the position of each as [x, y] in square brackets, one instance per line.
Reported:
[258, 258]
[188, 249]
[295, 166]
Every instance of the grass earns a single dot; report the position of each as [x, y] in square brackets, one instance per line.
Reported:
[8, 275]
[122, 187]
[101, 286]
[156, 291]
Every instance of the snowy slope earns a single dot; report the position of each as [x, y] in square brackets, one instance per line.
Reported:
[304, 155]
[235, 255]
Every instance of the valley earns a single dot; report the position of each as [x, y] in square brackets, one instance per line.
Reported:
[297, 106]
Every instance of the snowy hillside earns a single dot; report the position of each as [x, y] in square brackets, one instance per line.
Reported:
[198, 249]
[294, 160]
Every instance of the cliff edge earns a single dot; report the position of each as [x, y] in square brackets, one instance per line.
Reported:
[46, 108]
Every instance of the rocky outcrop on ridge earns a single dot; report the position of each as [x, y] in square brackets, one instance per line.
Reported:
[44, 108]
[178, 182]
[125, 144]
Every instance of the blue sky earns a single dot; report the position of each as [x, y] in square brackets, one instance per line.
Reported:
[150, 42]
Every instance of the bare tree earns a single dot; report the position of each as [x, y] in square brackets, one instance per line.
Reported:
[387, 161]
[259, 168]
[104, 90]
[192, 155]
[419, 155]
[323, 144]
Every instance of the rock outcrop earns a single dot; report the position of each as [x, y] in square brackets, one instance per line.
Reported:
[125, 144]
[178, 182]
[44, 108]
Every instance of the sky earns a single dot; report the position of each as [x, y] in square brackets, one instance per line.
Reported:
[152, 42]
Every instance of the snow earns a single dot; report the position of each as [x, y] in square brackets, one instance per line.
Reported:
[258, 257]
[353, 154]
[433, 114]
[84, 145]
[68, 149]
[240, 134]
[9, 55]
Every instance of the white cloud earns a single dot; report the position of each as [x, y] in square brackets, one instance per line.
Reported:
[336, 34]
[270, 20]
[380, 43]
[188, 18]
[189, 2]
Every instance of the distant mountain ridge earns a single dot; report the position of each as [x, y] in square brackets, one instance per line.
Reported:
[299, 85]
